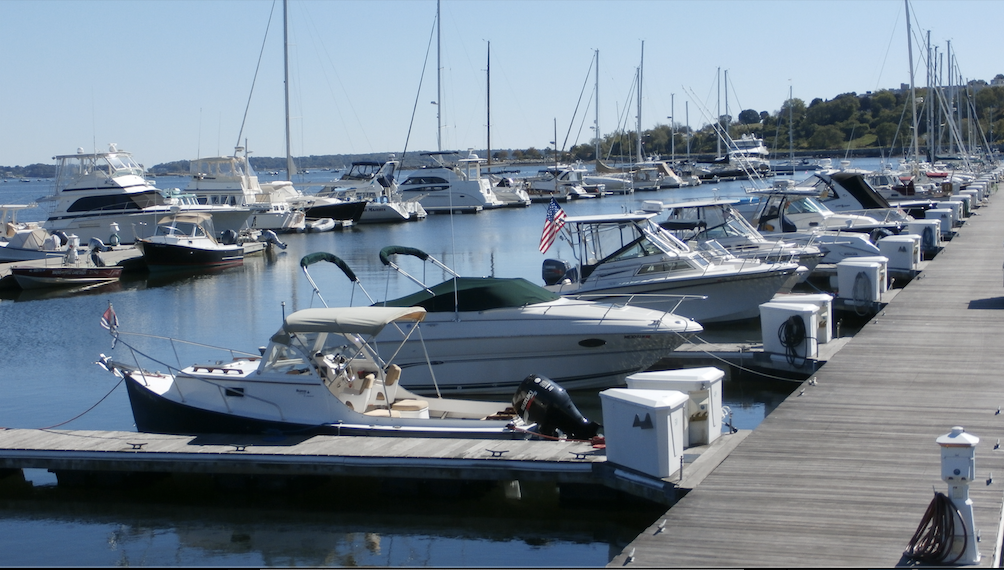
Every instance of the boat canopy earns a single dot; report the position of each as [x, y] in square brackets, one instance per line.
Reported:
[345, 320]
[476, 294]
[188, 217]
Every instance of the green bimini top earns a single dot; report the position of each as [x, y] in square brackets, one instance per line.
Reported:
[476, 294]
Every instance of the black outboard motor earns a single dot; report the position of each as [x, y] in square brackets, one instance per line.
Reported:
[541, 401]
[229, 237]
[554, 271]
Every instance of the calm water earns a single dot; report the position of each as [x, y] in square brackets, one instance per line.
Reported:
[48, 377]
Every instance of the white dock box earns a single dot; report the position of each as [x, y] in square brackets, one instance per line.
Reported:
[824, 330]
[644, 429]
[860, 281]
[956, 208]
[883, 261]
[703, 387]
[928, 230]
[942, 214]
[776, 330]
[974, 197]
[903, 251]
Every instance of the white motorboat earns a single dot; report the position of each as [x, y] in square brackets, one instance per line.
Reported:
[25, 241]
[482, 335]
[373, 182]
[629, 258]
[323, 373]
[97, 192]
[230, 180]
[451, 188]
[562, 183]
[187, 241]
[714, 222]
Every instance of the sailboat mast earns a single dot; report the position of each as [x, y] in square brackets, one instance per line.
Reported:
[718, 119]
[641, 69]
[913, 95]
[439, 80]
[290, 169]
[488, 111]
[596, 121]
[791, 135]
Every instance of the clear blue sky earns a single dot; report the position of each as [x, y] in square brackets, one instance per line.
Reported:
[170, 79]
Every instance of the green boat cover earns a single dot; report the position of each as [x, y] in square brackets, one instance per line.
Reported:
[476, 294]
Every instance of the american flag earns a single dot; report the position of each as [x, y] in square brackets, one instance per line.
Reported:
[553, 222]
[109, 319]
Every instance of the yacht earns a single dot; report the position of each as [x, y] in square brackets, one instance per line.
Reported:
[373, 182]
[95, 194]
[628, 258]
[451, 188]
[231, 181]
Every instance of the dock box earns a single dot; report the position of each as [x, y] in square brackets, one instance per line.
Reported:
[942, 214]
[824, 318]
[860, 281]
[781, 337]
[644, 429]
[703, 387]
[903, 251]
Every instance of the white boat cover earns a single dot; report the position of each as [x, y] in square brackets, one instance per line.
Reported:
[346, 320]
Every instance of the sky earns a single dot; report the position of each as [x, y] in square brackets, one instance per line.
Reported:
[178, 79]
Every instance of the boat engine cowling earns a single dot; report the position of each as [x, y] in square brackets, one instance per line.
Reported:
[539, 400]
[555, 271]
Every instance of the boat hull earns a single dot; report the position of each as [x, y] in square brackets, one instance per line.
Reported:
[730, 296]
[168, 256]
[341, 211]
[579, 347]
[138, 225]
[43, 277]
[156, 413]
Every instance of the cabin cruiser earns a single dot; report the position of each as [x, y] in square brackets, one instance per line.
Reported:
[448, 188]
[629, 258]
[373, 182]
[561, 183]
[323, 373]
[97, 192]
[483, 334]
[715, 220]
[230, 181]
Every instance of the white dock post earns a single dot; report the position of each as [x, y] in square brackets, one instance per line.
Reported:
[958, 468]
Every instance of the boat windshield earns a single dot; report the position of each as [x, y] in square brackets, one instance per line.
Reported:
[609, 242]
[719, 223]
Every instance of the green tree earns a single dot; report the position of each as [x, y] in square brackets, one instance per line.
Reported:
[749, 117]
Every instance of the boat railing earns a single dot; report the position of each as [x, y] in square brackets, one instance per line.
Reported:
[632, 296]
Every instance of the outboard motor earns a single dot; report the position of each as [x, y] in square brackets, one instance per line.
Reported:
[541, 401]
[229, 237]
[269, 237]
[554, 271]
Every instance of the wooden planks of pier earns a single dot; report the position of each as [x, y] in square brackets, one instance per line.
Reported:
[841, 473]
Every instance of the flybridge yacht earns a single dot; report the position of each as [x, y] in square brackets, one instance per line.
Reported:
[230, 181]
[444, 188]
[95, 195]
[372, 182]
[629, 258]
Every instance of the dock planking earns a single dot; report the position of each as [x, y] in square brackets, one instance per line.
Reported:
[841, 473]
[567, 461]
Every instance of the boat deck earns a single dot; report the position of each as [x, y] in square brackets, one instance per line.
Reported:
[841, 473]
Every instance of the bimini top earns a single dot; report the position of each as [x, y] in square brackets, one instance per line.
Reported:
[346, 320]
[476, 294]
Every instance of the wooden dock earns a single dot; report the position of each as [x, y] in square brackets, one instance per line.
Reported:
[841, 473]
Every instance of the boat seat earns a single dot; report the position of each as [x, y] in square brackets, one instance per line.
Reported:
[383, 413]
[411, 408]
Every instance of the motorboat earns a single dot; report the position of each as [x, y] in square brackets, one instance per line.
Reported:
[483, 334]
[70, 273]
[96, 192]
[561, 184]
[231, 181]
[629, 258]
[322, 373]
[451, 188]
[186, 241]
[372, 182]
[26, 241]
[713, 222]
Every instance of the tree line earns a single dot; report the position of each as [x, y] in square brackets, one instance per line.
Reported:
[881, 121]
